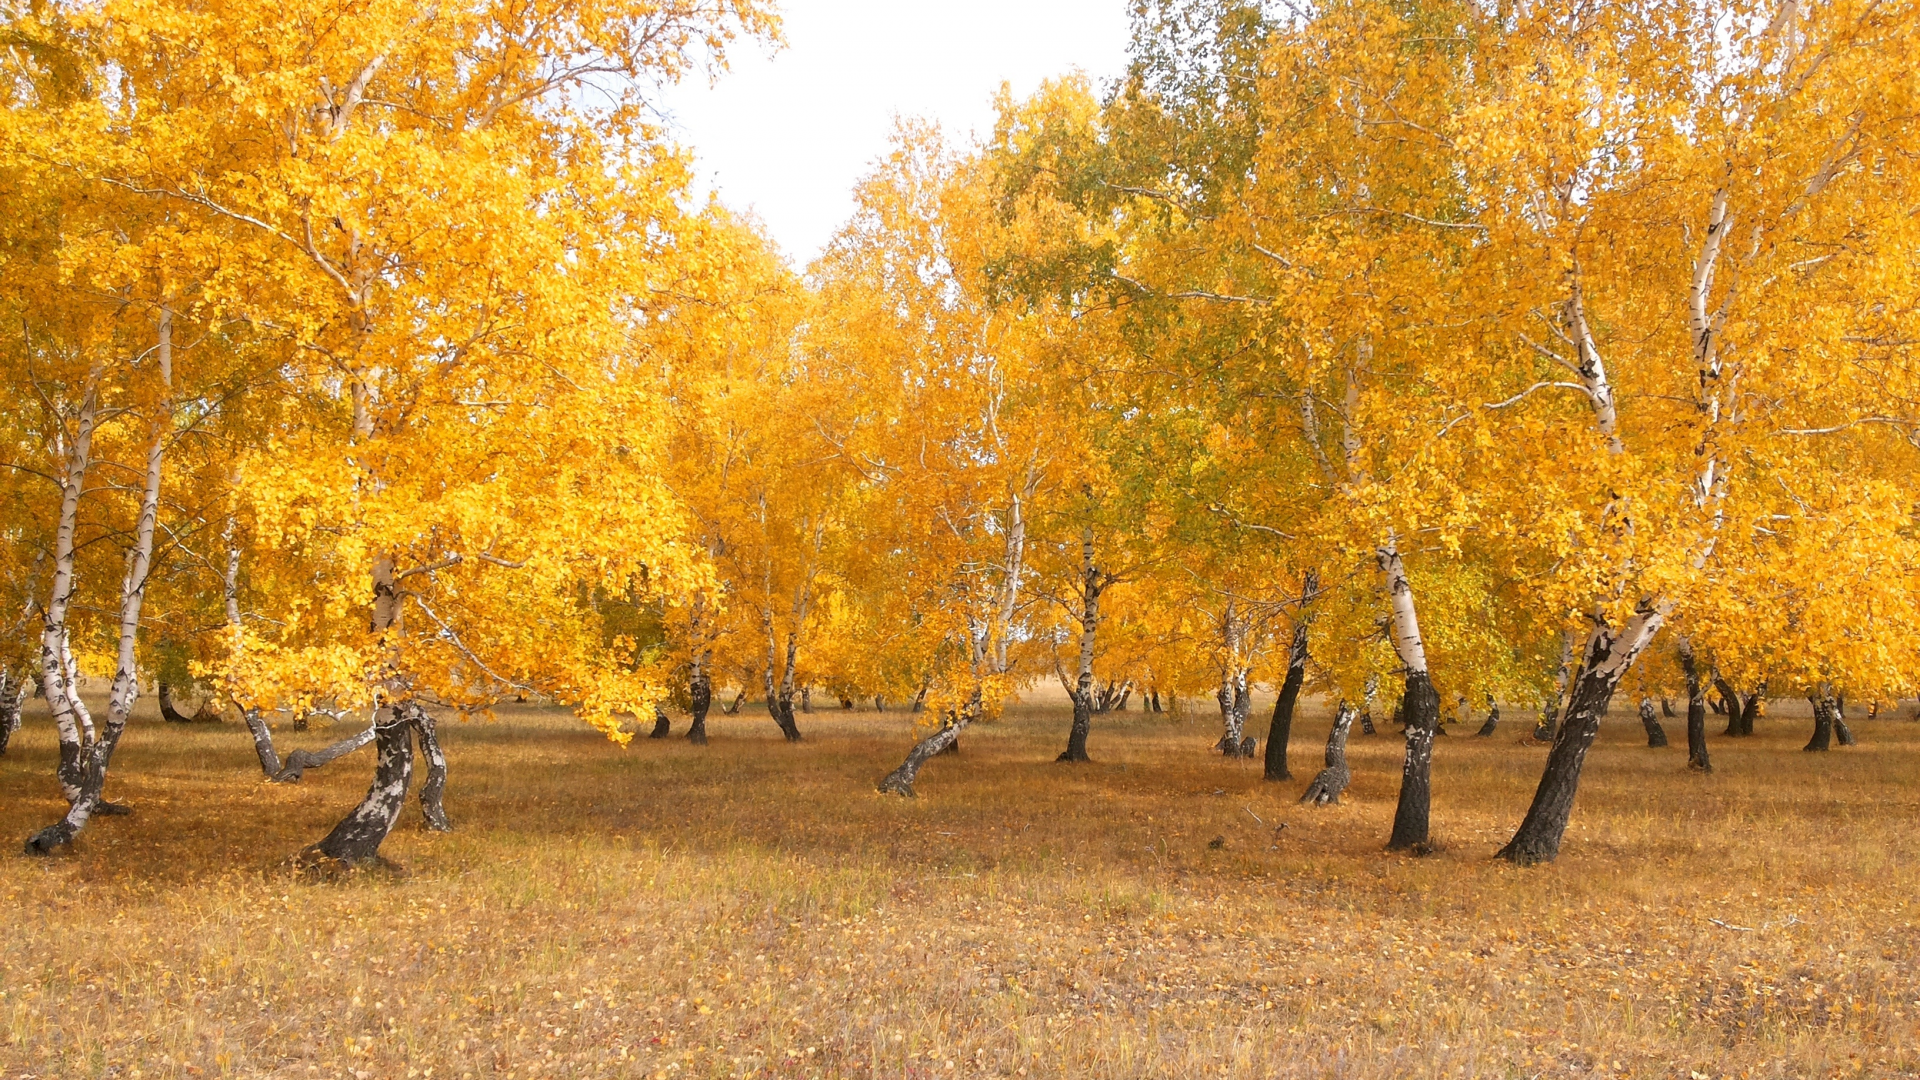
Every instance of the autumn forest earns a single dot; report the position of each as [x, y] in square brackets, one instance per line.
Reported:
[1524, 384]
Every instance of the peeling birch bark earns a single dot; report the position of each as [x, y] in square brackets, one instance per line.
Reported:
[1332, 780]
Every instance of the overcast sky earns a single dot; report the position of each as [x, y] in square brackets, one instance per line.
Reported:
[787, 136]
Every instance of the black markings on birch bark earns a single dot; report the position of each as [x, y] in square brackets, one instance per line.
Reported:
[1332, 780]
[900, 781]
[1825, 712]
[1419, 708]
[298, 762]
[92, 760]
[1493, 720]
[1697, 756]
[662, 727]
[356, 840]
[1093, 582]
[1608, 655]
[433, 792]
[1649, 720]
[13, 690]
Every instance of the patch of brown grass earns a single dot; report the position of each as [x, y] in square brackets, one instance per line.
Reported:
[756, 909]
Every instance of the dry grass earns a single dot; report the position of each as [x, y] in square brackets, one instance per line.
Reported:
[754, 908]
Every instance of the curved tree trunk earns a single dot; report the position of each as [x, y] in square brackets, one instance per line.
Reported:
[357, 838]
[1697, 757]
[298, 762]
[1656, 735]
[1751, 710]
[1730, 705]
[1332, 781]
[97, 755]
[1609, 654]
[434, 790]
[1666, 708]
[662, 727]
[900, 781]
[1822, 724]
[1493, 720]
[168, 711]
[1280, 729]
[1840, 729]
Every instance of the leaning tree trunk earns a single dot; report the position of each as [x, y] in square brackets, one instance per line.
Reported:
[1840, 729]
[1822, 724]
[1493, 720]
[1656, 735]
[1280, 729]
[1751, 710]
[1333, 780]
[900, 781]
[1697, 757]
[357, 838]
[168, 711]
[262, 741]
[1419, 708]
[300, 761]
[1608, 656]
[1729, 704]
[434, 790]
[662, 727]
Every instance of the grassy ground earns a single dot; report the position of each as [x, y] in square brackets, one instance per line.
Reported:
[754, 908]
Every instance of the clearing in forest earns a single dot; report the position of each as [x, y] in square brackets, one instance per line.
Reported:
[755, 908]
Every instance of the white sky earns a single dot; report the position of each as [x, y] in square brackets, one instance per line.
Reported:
[787, 137]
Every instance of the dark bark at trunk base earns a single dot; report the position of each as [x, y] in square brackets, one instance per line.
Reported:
[1549, 725]
[1666, 708]
[168, 711]
[1538, 838]
[1656, 735]
[1082, 725]
[1493, 721]
[1280, 730]
[699, 699]
[662, 727]
[356, 840]
[1841, 731]
[1420, 708]
[1822, 725]
[1697, 757]
[1333, 780]
[92, 762]
[900, 781]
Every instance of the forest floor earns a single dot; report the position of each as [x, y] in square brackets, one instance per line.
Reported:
[752, 908]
